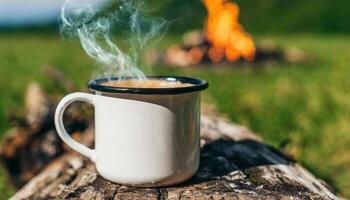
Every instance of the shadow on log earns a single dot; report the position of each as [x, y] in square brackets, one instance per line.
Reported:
[221, 157]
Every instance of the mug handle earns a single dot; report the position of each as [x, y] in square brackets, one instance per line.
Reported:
[61, 108]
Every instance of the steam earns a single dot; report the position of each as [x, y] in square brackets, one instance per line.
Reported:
[99, 23]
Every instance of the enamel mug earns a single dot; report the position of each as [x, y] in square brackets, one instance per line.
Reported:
[146, 137]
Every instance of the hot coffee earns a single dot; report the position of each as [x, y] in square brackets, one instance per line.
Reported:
[149, 83]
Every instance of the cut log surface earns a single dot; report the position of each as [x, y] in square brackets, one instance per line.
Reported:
[235, 164]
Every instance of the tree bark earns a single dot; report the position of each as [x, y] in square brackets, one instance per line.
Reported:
[235, 164]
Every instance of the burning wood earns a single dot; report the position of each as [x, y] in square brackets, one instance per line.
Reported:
[196, 50]
[223, 38]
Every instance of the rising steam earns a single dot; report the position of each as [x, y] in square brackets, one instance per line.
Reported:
[99, 23]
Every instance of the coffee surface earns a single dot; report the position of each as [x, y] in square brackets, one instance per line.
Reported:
[150, 83]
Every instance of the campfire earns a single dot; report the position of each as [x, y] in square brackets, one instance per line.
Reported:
[225, 35]
[223, 40]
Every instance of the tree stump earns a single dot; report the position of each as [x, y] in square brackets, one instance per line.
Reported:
[235, 164]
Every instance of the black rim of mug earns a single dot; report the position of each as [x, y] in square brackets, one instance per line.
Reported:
[195, 85]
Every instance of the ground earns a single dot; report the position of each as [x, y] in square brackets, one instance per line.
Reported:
[302, 109]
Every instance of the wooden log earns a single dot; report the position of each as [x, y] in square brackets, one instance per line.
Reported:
[235, 164]
[194, 50]
[33, 143]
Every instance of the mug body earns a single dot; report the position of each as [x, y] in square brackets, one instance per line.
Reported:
[147, 138]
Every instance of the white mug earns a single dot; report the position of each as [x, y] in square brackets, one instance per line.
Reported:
[145, 137]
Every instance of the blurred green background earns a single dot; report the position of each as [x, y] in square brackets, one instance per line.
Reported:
[277, 16]
[302, 109]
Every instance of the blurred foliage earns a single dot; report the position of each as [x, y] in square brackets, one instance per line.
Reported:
[268, 15]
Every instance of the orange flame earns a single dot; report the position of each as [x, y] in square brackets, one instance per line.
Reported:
[225, 34]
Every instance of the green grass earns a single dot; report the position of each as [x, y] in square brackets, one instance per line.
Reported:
[303, 108]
